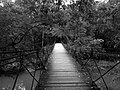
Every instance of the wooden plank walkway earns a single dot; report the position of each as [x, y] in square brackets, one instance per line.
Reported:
[62, 73]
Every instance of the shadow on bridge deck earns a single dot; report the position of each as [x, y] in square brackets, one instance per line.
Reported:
[63, 72]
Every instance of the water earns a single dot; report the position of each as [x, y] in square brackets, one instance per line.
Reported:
[25, 79]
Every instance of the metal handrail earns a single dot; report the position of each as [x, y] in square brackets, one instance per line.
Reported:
[30, 73]
[5, 59]
[33, 80]
[92, 81]
[33, 76]
[18, 51]
[17, 73]
[107, 71]
[98, 68]
[102, 75]
[21, 55]
[16, 77]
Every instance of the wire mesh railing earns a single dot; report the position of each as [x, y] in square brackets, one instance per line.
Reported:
[86, 63]
[21, 56]
[101, 75]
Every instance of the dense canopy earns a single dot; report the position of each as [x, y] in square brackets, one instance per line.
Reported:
[28, 26]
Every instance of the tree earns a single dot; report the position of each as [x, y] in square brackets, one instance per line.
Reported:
[24, 27]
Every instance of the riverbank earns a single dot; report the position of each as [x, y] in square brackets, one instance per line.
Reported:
[24, 79]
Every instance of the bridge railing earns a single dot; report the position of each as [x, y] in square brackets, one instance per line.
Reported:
[101, 75]
[90, 63]
[20, 57]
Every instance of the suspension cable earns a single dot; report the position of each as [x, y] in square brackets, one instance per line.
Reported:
[107, 72]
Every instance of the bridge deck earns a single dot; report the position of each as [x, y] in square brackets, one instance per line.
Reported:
[62, 73]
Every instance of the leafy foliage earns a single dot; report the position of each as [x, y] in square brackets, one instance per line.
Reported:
[89, 21]
[34, 24]
[25, 29]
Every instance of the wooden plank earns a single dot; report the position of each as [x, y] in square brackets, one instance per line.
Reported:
[62, 74]
[64, 88]
[65, 85]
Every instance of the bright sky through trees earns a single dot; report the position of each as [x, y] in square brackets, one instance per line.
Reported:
[65, 1]
[13, 0]
[68, 1]
[105, 1]
[1, 2]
